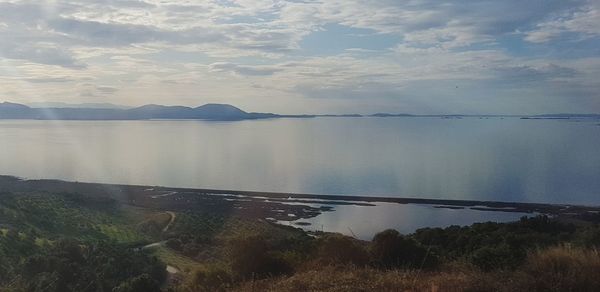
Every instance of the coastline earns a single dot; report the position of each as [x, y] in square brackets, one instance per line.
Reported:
[278, 206]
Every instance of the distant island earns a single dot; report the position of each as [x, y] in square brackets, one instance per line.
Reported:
[221, 112]
[212, 111]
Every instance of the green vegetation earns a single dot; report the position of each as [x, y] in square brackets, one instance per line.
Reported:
[73, 242]
[533, 254]
[49, 216]
[68, 265]
[554, 269]
[67, 242]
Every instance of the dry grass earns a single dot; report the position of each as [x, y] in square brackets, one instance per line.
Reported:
[351, 278]
[563, 269]
[553, 269]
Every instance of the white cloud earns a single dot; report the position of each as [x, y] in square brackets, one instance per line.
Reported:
[243, 70]
[584, 22]
[251, 53]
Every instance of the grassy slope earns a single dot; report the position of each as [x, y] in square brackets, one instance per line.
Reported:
[42, 218]
[51, 215]
[48, 216]
[216, 233]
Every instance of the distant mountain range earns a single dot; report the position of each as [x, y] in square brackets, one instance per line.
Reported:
[219, 112]
[104, 105]
[214, 112]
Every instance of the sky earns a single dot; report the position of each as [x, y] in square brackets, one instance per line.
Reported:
[304, 56]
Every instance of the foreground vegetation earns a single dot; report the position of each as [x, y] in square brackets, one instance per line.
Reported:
[553, 269]
[534, 254]
[74, 242]
[67, 242]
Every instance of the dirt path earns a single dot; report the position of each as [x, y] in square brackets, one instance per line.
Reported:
[173, 216]
[161, 243]
[155, 244]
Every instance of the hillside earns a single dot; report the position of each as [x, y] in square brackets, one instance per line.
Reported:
[97, 239]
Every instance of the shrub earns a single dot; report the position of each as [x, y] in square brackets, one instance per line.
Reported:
[251, 258]
[390, 249]
[339, 249]
[142, 283]
[174, 243]
[588, 237]
[69, 249]
[150, 227]
[210, 278]
[493, 258]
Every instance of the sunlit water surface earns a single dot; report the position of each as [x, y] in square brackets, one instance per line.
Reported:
[365, 221]
[549, 161]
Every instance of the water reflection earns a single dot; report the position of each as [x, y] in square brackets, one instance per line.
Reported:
[364, 222]
[492, 159]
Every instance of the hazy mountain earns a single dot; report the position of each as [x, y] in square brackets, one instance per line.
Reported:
[220, 112]
[9, 106]
[153, 111]
[10, 110]
[102, 105]
[212, 111]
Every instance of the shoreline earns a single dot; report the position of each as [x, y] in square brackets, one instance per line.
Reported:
[278, 205]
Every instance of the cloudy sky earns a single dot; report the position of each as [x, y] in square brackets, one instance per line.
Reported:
[304, 56]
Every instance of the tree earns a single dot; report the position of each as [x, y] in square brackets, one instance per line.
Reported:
[141, 283]
[390, 249]
[339, 249]
[250, 258]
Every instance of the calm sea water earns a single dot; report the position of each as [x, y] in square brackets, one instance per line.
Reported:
[365, 221]
[553, 161]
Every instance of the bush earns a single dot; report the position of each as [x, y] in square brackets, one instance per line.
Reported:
[251, 258]
[588, 237]
[485, 244]
[68, 265]
[339, 249]
[142, 283]
[174, 244]
[390, 249]
[211, 278]
[150, 227]
[493, 258]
